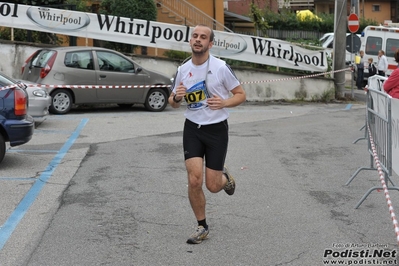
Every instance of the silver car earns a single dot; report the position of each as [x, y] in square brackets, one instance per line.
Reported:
[76, 71]
[39, 100]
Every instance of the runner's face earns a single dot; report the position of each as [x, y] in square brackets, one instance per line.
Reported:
[199, 41]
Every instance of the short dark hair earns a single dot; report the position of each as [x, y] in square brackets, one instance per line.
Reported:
[212, 36]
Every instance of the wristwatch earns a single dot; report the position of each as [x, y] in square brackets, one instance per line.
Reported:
[176, 101]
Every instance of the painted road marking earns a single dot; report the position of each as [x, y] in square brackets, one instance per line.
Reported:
[20, 211]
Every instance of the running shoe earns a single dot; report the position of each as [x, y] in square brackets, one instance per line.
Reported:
[231, 183]
[200, 234]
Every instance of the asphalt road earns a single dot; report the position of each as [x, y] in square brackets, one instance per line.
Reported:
[108, 187]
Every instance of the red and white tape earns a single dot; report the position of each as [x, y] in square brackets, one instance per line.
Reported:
[160, 86]
[384, 186]
[9, 87]
[298, 77]
[89, 86]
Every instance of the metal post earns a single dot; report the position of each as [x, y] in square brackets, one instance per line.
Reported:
[353, 73]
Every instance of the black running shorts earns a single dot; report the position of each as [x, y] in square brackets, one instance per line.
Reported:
[206, 141]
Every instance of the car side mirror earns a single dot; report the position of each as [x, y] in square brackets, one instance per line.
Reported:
[138, 70]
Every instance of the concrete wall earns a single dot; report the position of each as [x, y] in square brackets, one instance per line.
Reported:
[259, 85]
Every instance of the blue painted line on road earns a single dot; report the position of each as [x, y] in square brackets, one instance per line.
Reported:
[348, 106]
[20, 211]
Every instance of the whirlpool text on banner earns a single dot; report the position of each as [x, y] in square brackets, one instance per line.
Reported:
[159, 35]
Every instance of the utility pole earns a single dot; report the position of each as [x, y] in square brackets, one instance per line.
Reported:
[339, 54]
[355, 6]
[362, 9]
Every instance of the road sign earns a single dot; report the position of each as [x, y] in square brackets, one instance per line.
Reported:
[353, 45]
[353, 23]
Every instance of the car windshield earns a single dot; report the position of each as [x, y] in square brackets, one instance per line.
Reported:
[41, 58]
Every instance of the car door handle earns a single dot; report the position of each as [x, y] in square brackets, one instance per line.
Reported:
[103, 76]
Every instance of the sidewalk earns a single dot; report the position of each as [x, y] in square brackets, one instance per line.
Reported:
[358, 95]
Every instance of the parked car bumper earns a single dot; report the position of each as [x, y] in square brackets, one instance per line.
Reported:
[20, 131]
[38, 105]
[39, 100]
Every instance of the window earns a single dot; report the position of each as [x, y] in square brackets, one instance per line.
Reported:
[392, 46]
[373, 45]
[376, 8]
[41, 58]
[113, 62]
[79, 59]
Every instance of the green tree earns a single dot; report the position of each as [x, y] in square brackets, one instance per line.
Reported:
[258, 18]
[287, 20]
[79, 5]
[134, 9]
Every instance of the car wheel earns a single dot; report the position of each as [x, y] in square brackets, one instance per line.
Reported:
[61, 102]
[156, 100]
[2, 147]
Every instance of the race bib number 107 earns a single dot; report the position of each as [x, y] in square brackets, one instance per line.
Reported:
[196, 96]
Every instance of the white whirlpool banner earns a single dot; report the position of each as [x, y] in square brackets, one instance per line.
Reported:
[395, 134]
[159, 35]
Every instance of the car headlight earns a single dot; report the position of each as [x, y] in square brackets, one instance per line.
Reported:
[40, 93]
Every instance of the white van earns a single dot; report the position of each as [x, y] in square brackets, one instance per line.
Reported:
[384, 38]
[327, 42]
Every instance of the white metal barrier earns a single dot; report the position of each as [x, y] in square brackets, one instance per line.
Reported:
[379, 128]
